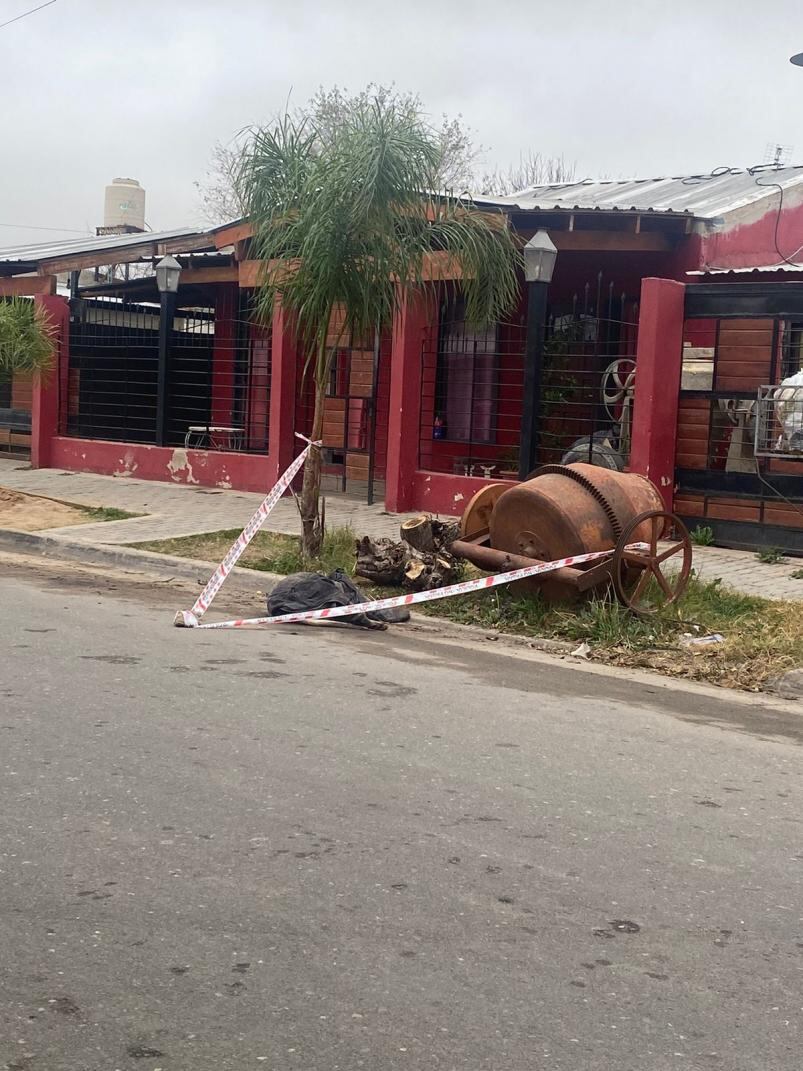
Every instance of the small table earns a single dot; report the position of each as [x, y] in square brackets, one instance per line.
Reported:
[208, 432]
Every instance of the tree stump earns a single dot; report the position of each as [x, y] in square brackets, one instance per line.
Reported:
[418, 533]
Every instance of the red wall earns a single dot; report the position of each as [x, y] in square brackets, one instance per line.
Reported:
[746, 241]
[224, 353]
[440, 492]
[206, 468]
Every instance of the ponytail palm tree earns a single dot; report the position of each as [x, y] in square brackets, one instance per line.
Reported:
[345, 225]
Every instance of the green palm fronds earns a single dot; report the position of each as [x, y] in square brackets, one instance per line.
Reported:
[26, 342]
[346, 220]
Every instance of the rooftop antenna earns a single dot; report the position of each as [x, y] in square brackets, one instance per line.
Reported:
[776, 155]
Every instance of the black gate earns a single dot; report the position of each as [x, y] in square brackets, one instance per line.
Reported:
[354, 417]
[113, 366]
[588, 378]
[218, 376]
[472, 385]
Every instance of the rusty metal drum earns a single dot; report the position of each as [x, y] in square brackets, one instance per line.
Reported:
[570, 509]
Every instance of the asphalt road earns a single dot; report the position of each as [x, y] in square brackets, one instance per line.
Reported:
[317, 849]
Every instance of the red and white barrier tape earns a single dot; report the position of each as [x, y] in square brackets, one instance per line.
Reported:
[191, 618]
[536, 569]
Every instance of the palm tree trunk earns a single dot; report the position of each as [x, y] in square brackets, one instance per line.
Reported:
[309, 502]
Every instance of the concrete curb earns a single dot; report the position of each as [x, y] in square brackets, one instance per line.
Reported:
[788, 686]
[126, 557]
[166, 566]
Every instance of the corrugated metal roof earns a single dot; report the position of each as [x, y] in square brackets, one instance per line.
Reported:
[702, 196]
[34, 254]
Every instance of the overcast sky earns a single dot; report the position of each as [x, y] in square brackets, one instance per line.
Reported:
[92, 89]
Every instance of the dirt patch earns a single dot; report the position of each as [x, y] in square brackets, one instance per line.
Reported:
[29, 513]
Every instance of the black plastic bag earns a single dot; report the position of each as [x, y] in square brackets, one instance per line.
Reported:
[314, 591]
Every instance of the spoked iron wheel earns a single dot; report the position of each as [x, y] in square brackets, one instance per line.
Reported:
[647, 580]
[617, 379]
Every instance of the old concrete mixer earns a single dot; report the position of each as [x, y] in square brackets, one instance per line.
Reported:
[564, 510]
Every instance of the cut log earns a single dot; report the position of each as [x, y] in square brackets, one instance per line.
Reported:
[418, 533]
[414, 569]
[381, 561]
[445, 533]
[427, 571]
[400, 565]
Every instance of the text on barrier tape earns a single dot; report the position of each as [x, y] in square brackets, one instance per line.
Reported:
[483, 582]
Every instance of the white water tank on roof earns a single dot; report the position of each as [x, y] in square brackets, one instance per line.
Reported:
[124, 205]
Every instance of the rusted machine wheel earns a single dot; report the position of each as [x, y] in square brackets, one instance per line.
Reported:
[634, 569]
[476, 517]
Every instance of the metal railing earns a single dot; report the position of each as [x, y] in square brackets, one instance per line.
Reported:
[778, 417]
[471, 399]
[218, 377]
[472, 384]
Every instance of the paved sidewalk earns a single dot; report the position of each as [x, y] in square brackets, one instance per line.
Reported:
[176, 510]
[741, 569]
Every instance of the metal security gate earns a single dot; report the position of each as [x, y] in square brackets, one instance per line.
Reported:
[113, 367]
[354, 421]
[217, 385]
[588, 377]
[472, 386]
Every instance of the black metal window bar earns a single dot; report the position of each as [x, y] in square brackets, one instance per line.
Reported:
[218, 383]
[15, 412]
[473, 381]
[588, 379]
[471, 390]
[779, 422]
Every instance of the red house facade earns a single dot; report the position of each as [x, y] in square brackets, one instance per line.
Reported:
[432, 412]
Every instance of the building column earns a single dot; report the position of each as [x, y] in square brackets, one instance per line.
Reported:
[48, 388]
[283, 384]
[659, 363]
[404, 410]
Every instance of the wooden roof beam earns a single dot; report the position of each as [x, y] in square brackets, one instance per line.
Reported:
[128, 254]
[28, 286]
[233, 234]
[611, 241]
[438, 265]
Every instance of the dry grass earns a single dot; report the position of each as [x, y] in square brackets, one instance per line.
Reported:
[269, 552]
